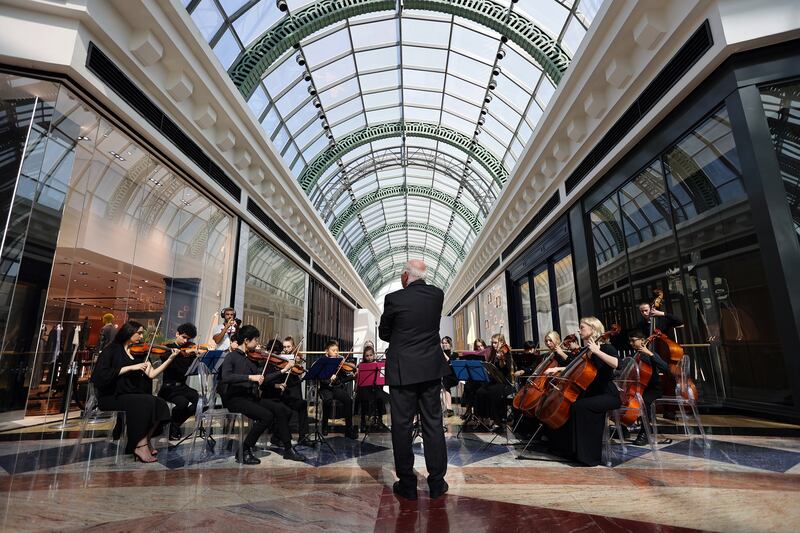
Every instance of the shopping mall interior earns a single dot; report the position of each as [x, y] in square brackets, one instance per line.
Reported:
[560, 166]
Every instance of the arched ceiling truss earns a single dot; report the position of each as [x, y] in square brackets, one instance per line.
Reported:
[251, 65]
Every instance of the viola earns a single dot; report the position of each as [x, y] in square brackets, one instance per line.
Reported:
[144, 348]
[555, 406]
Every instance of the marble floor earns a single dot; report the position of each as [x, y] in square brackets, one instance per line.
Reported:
[737, 483]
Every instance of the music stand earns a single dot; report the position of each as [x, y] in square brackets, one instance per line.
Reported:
[212, 359]
[322, 369]
[470, 370]
[372, 376]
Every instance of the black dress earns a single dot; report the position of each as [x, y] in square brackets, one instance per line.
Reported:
[490, 398]
[653, 390]
[581, 438]
[130, 392]
[370, 401]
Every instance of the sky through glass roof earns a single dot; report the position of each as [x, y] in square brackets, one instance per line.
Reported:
[402, 195]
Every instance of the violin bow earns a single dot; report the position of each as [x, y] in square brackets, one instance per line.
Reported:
[266, 364]
[294, 355]
[152, 340]
[210, 335]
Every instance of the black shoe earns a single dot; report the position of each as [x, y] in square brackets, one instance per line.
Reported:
[249, 458]
[439, 491]
[497, 428]
[275, 441]
[405, 493]
[175, 432]
[291, 455]
[325, 431]
[304, 441]
[641, 440]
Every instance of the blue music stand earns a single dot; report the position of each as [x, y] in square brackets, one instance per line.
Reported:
[322, 369]
[470, 370]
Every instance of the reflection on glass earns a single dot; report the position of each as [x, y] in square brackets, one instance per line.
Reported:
[274, 292]
[527, 317]
[726, 283]
[782, 107]
[544, 310]
[565, 295]
[111, 230]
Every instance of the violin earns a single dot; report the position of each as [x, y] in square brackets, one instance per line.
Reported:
[555, 406]
[193, 349]
[144, 348]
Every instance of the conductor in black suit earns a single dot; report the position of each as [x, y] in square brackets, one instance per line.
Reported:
[415, 366]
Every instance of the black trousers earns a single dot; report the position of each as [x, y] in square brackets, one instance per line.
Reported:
[144, 414]
[263, 413]
[650, 395]
[339, 394]
[299, 406]
[581, 437]
[185, 399]
[406, 401]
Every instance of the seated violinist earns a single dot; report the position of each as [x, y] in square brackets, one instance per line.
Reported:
[581, 438]
[334, 390]
[124, 381]
[490, 399]
[241, 377]
[653, 390]
[288, 391]
[174, 388]
[370, 401]
[471, 388]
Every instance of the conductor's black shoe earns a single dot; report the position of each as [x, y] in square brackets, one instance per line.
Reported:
[291, 455]
[249, 458]
[641, 440]
[439, 490]
[405, 493]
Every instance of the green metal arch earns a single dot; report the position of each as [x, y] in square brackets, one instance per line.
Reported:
[405, 190]
[412, 248]
[317, 167]
[251, 65]
[381, 278]
[457, 247]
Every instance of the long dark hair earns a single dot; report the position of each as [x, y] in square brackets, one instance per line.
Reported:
[126, 331]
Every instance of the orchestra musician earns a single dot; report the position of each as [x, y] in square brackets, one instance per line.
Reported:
[288, 391]
[490, 399]
[553, 342]
[652, 392]
[653, 318]
[450, 380]
[335, 390]
[238, 374]
[471, 388]
[224, 333]
[174, 388]
[581, 438]
[125, 383]
[369, 400]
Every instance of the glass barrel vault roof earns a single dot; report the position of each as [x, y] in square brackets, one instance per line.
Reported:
[408, 191]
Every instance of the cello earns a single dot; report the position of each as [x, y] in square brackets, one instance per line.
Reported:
[671, 352]
[555, 406]
[635, 389]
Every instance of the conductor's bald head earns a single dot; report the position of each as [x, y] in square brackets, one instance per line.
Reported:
[413, 270]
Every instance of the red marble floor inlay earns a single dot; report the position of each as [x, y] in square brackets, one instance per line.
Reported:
[467, 514]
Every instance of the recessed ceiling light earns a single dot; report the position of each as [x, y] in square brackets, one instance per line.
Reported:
[83, 263]
[118, 273]
[84, 273]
